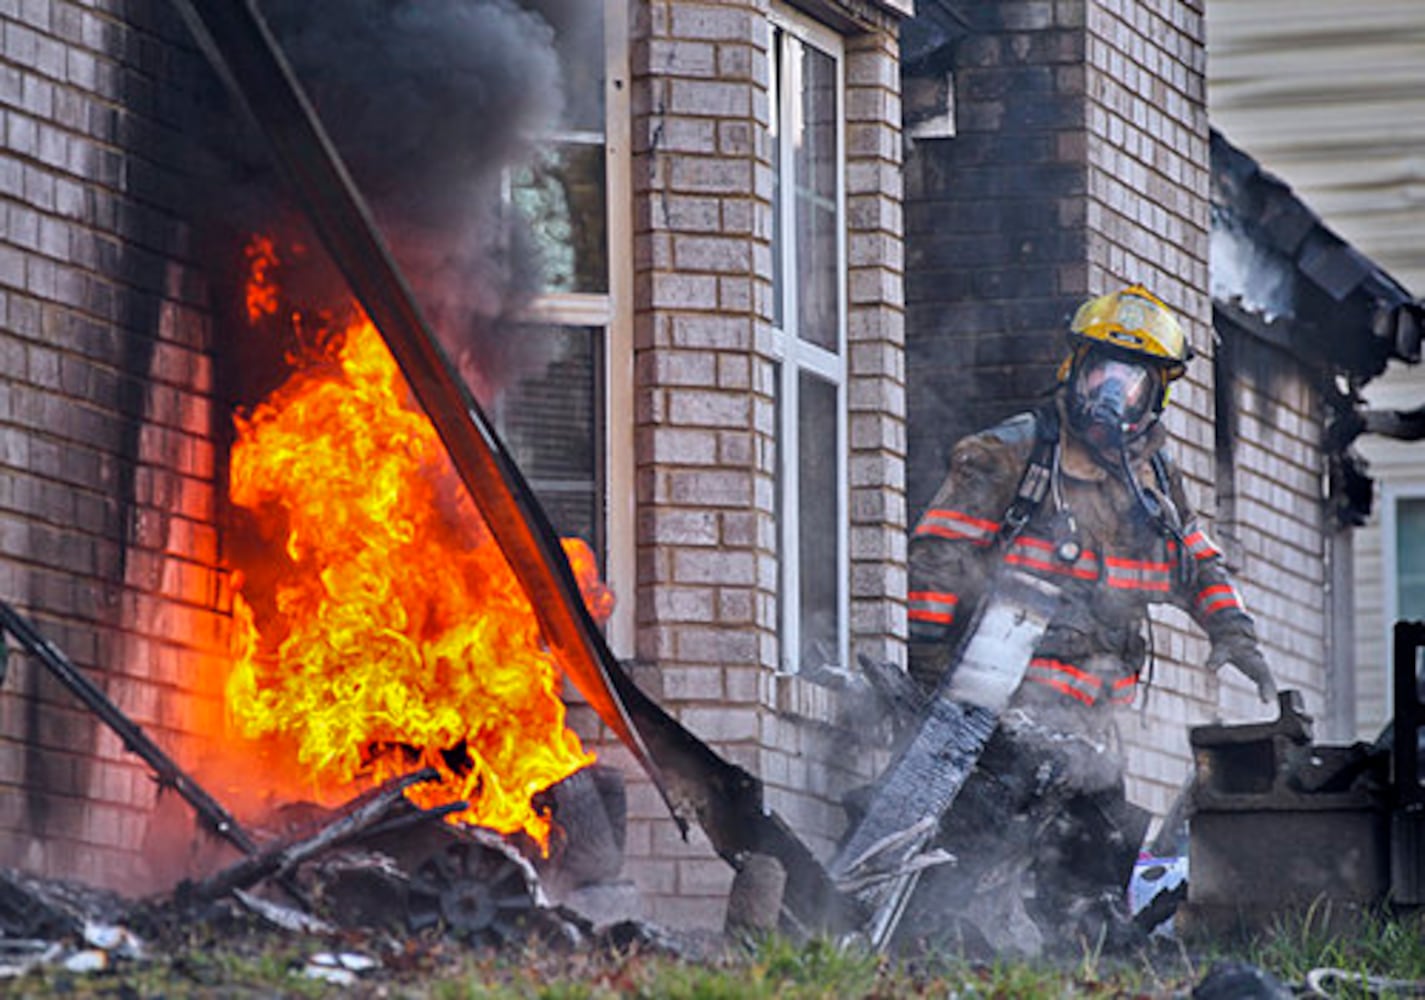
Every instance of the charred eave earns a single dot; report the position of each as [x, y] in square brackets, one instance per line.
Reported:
[1282, 277]
[1341, 311]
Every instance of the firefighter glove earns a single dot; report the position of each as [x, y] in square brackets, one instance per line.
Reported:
[1241, 650]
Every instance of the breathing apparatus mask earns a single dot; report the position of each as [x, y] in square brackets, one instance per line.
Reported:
[1113, 399]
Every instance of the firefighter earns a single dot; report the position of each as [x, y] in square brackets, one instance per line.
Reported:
[1079, 491]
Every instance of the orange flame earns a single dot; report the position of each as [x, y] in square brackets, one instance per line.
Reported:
[261, 288]
[391, 632]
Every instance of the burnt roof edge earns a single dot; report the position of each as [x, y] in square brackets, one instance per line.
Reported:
[1343, 310]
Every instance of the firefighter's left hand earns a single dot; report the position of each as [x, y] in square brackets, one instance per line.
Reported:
[1243, 653]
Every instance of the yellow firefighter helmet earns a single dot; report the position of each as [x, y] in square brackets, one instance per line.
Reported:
[1135, 321]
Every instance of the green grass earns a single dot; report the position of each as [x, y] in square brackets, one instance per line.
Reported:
[1364, 944]
[255, 964]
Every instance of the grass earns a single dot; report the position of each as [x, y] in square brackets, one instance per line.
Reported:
[249, 962]
[1368, 947]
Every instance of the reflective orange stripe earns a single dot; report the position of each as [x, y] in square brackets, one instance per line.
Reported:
[1064, 688]
[1083, 677]
[1125, 688]
[1026, 552]
[1218, 597]
[932, 606]
[1138, 574]
[1201, 546]
[957, 525]
[1064, 678]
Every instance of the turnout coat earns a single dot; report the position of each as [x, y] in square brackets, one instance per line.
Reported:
[1089, 533]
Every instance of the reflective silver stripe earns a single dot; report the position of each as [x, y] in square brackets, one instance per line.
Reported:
[954, 524]
[1064, 678]
[1200, 545]
[1135, 574]
[1219, 597]
[931, 612]
[1037, 555]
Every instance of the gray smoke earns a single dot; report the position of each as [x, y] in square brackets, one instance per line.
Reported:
[1244, 270]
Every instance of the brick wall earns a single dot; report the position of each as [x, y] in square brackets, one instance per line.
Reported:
[107, 498]
[996, 229]
[706, 435]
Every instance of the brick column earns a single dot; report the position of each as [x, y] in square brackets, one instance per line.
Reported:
[706, 538]
[996, 229]
[1146, 214]
[876, 345]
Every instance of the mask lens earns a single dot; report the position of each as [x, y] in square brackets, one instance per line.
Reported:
[1121, 389]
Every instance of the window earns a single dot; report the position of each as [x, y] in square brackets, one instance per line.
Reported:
[809, 296]
[1403, 558]
[563, 418]
[1408, 539]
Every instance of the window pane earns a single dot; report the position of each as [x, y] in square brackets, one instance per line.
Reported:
[561, 197]
[1410, 558]
[820, 537]
[549, 420]
[816, 156]
[579, 42]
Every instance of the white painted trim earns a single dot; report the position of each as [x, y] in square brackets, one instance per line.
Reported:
[797, 355]
[570, 309]
[619, 500]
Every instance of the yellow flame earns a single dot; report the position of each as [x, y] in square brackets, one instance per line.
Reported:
[390, 632]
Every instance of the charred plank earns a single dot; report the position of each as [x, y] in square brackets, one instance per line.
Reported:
[281, 858]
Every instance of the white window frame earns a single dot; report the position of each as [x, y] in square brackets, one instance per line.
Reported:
[1391, 496]
[796, 355]
[611, 312]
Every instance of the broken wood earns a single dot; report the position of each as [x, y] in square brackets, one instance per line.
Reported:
[880, 861]
[418, 817]
[280, 859]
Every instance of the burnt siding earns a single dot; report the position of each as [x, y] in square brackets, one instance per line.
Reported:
[107, 497]
[996, 230]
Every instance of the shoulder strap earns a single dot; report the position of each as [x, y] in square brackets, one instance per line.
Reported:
[1171, 520]
[1159, 461]
[1038, 474]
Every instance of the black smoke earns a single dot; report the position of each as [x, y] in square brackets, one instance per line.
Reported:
[430, 103]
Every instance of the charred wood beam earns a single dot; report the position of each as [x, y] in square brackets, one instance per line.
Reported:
[694, 780]
[135, 740]
[282, 858]
[1403, 425]
[420, 817]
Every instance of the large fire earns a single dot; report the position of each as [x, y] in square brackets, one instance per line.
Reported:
[387, 631]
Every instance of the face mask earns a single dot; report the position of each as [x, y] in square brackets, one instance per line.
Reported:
[1112, 399]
